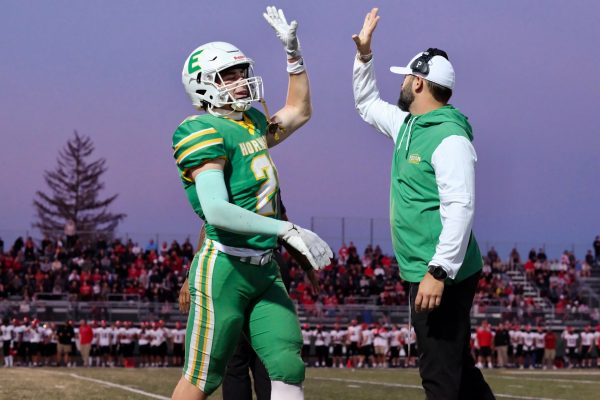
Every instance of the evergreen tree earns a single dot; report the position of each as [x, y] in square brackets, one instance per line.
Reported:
[74, 194]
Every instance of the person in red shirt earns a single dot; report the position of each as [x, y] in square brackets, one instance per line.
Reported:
[85, 290]
[485, 341]
[529, 269]
[343, 254]
[549, 349]
[85, 337]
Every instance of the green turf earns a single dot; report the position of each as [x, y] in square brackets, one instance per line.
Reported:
[322, 384]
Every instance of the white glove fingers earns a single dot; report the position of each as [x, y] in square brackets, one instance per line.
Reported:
[322, 249]
[282, 17]
[272, 12]
[293, 28]
[269, 20]
[318, 256]
[329, 252]
[325, 261]
[313, 262]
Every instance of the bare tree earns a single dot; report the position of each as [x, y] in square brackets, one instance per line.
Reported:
[74, 193]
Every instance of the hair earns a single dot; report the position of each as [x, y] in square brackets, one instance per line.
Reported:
[439, 92]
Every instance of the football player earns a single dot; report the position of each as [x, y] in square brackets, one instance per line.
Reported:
[231, 182]
[6, 333]
[178, 337]
[338, 339]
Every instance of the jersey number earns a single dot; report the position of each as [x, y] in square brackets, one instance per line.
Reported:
[263, 168]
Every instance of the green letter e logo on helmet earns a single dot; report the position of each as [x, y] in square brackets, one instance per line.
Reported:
[193, 65]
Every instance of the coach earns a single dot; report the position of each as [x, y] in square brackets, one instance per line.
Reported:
[432, 198]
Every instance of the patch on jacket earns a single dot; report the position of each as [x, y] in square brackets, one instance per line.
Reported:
[414, 158]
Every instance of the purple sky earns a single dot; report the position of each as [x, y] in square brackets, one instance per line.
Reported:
[527, 76]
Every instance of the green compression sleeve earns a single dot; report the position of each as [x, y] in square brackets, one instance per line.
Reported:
[220, 213]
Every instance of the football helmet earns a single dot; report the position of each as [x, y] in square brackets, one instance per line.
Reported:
[201, 77]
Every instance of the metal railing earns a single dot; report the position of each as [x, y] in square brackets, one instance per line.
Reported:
[52, 310]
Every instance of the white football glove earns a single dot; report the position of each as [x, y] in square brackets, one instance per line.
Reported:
[310, 245]
[285, 32]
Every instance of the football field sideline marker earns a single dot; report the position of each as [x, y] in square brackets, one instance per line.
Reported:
[520, 378]
[550, 372]
[408, 386]
[108, 383]
[123, 387]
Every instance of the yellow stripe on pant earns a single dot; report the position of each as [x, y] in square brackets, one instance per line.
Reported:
[191, 351]
[202, 301]
[210, 317]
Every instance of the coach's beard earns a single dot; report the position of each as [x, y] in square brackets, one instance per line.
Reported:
[406, 99]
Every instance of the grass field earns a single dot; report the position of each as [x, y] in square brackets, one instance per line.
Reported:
[325, 384]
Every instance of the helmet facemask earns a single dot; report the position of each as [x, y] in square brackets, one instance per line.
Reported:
[223, 95]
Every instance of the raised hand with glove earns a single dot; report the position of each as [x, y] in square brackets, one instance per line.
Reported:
[287, 34]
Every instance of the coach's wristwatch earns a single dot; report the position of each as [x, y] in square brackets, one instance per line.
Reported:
[437, 272]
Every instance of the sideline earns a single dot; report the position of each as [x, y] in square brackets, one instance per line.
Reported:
[402, 385]
[111, 384]
[520, 378]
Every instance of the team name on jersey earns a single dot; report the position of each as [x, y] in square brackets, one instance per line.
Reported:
[253, 146]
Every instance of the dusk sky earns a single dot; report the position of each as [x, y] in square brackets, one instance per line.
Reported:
[527, 75]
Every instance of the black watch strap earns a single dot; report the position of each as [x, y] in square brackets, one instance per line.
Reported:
[438, 272]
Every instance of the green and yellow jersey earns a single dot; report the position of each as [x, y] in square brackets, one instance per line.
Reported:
[250, 174]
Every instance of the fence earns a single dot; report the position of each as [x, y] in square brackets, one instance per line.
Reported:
[55, 309]
[361, 231]
[376, 231]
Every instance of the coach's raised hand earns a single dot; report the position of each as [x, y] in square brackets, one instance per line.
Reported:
[363, 39]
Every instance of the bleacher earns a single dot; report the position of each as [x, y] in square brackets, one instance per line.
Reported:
[525, 304]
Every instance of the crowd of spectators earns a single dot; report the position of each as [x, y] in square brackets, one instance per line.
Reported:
[94, 271]
[372, 277]
[559, 279]
[102, 268]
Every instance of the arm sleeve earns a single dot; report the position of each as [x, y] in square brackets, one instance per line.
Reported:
[385, 117]
[454, 164]
[220, 213]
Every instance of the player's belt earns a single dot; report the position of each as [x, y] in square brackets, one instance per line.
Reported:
[250, 256]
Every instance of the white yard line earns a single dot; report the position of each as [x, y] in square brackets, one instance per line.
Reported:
[111, 384]
[402, 385]
[549, 372]
[123, 387]
[520, 378]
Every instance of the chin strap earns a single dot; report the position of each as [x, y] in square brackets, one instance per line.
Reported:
[241, 106]
[220, 112]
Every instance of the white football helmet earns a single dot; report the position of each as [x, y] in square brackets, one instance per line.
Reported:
[201, 74]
